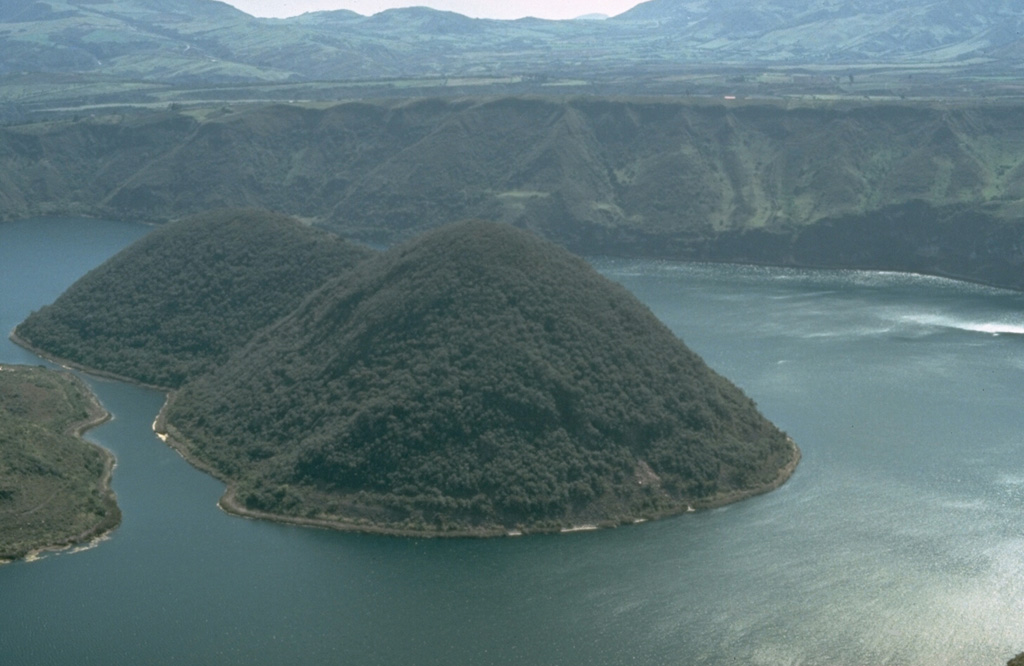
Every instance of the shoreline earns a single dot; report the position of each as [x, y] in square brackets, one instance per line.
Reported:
[68, 364]
[229, 504]
[784, 474]
[92, 536]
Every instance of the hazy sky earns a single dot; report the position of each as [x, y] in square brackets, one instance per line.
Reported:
[503, 9]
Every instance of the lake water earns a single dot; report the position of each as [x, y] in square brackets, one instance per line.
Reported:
[900, 539]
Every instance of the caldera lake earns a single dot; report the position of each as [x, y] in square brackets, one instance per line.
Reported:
[899, 540]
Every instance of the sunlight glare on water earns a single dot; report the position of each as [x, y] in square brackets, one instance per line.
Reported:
[898, 541]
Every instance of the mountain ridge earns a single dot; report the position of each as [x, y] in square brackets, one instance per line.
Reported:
[208, 41]
[826, 184]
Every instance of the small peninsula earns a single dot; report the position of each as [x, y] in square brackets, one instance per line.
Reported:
[474, 381]
[54, 487]
[180, 300]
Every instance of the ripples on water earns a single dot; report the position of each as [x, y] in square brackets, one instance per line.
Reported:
[898, 541]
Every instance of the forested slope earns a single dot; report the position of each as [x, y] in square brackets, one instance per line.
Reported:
[929, 187]
[178, 301]
[54, 487]
[474, 380]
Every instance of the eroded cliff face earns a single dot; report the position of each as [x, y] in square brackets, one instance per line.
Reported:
[936, 188]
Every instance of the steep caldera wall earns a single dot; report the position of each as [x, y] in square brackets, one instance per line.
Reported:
[917, 186]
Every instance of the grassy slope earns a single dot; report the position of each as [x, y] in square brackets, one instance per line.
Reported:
[202, 41]
[54, 487]
[803, 184]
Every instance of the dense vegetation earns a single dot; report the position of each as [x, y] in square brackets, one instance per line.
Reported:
[925, 187]
[481, 379]
[54, 487]
[182, 298]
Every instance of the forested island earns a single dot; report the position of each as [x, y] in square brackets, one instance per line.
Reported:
[181, 299]
[54, 487]
[476, 380]
[820, 134]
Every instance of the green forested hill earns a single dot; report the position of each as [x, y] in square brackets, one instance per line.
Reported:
[181, 299]
[475, 379]
[925, 187]
[54, 487]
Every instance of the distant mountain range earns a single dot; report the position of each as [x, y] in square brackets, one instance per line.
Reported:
[190, 41]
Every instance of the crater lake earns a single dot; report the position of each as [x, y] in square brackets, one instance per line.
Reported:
[899, 540]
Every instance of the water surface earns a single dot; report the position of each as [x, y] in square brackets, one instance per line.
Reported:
[898, 541]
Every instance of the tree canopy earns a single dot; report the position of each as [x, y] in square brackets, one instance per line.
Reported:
[54, 487]
[477, 378]
[178, 301]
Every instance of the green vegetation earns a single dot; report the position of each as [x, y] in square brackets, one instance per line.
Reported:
[181, 299]
[54, 487]
[668, 45]
[475, 380]
[1016, 661]
[923, 187]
